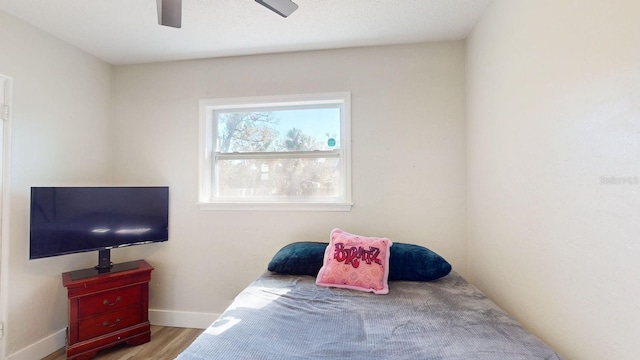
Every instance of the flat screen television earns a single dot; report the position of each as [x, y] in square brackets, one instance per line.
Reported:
[67, 220]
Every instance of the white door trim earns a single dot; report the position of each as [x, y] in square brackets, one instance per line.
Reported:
[4, 212]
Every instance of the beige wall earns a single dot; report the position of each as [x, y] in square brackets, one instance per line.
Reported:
[408, 145]
[553, 107]
[60, 135]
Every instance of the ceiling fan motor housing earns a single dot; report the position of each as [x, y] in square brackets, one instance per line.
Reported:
[170, 13]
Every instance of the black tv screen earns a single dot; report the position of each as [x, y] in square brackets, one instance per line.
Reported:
[66, 220]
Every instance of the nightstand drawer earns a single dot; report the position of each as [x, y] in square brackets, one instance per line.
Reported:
[111, 321]
[109, 301]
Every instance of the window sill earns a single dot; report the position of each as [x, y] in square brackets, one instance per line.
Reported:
[240, 206]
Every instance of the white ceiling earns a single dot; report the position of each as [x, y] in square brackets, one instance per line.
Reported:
[127, 31]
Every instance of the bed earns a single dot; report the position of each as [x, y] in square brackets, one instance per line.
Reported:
[284, 316]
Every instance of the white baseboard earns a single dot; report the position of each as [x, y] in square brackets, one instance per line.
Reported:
[57, 340]
[42, 348]
[181, 318]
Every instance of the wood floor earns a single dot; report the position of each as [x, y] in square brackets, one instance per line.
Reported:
[166, 343]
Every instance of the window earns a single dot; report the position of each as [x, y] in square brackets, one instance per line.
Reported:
[276, 153]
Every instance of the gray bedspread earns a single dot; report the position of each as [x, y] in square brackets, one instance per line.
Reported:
[289, 317]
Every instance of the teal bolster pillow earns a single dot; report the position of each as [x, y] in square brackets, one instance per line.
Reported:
[410, 262]
[299, 258]
[407, 262]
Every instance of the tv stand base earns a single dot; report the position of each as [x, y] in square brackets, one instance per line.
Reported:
[95, 271]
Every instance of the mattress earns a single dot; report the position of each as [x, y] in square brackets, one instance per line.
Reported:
[289, 317]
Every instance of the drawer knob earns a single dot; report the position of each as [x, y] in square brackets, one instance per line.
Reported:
[106, 323]
[106, 302]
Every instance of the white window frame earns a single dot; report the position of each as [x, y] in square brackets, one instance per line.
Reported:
[207, 145]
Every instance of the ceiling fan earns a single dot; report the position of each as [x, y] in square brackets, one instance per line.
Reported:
[170, 11]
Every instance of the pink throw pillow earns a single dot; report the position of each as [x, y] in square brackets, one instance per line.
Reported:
[356, 262]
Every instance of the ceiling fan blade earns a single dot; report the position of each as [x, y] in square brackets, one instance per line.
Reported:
[283, 8]
[170, 13]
